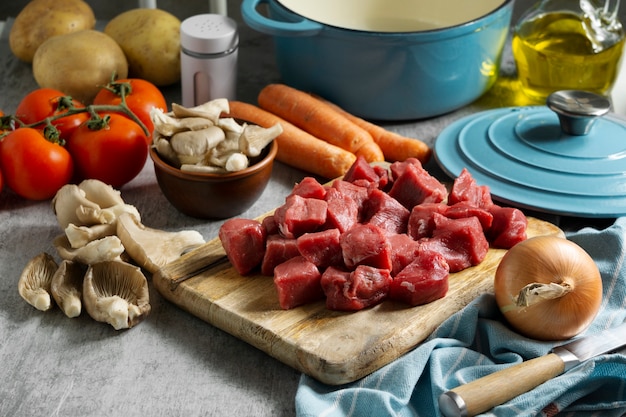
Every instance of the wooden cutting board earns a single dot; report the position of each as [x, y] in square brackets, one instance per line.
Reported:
[333, 347]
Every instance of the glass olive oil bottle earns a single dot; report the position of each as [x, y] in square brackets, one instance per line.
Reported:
[565, 50]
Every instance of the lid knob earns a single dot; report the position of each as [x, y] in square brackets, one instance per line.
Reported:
[577, 110]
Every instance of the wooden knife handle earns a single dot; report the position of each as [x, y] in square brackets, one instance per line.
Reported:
[487, 392]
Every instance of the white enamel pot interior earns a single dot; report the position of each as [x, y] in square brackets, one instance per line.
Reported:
[392, 15]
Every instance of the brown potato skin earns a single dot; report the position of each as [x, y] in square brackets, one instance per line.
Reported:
[150, 38]
[40, 20]
[79, 63]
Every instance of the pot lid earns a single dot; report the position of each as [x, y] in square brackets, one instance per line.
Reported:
[562, 158]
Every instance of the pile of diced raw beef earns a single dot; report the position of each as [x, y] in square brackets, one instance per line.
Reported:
[378, 233]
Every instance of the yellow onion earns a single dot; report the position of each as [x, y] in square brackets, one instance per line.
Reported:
[548, 288]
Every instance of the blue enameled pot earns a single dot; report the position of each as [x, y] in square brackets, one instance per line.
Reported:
[383, 74]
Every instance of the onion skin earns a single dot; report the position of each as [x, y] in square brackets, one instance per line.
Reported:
[545, 260]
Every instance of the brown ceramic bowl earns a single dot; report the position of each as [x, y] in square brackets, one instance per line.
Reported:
[217, 196]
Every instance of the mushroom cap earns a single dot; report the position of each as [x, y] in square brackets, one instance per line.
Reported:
[67, 201]
[153, 248]
[211, 110]
[66, 287]
[89, 203]
[35, 281]
[79, 236]
[116, 292]
[103, 249]
[101, 193]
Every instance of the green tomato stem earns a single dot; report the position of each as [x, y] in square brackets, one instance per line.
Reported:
[120, 88]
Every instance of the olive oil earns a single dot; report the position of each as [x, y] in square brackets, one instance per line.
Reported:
[554, 51]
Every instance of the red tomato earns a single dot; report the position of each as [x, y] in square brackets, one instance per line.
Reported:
[142, 97]
[34, 167]
[114, 154]
[46, 102]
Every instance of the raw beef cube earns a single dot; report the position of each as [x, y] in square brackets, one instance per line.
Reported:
[397, 168]
[465, 189]
[321, 248]
[309, 187]
[363, 174]
[297, 282]
[366, 244]
[269, 223]
[300, 215]
[351, 291]
[404, 250]
[361, 171]
[385, 212]
[278, 249]
[508, 228]
[416, 186]
[343, 211]
[462, 242]
[355, 192]
[244, 243]
[383, 176]
[421, 223]
[422, 281]
[464, 209]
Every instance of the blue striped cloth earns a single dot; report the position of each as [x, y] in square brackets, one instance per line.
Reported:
[475, 342]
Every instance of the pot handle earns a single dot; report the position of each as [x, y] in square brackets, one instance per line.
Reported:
[263, 24]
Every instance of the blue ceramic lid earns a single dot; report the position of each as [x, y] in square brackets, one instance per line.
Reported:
[528, 160]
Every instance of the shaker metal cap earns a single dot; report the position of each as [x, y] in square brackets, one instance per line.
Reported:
[208, 34]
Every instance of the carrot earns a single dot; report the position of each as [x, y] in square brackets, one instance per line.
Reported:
[371, 152]
[395, 146]
[296, 147]
[319, 119]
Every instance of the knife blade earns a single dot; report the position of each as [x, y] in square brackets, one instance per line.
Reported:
[489, 391]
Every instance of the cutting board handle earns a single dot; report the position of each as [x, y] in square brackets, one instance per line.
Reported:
[193, 263]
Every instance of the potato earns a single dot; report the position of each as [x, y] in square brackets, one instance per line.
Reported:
[79, 63]
[40, 20]
[150, 39]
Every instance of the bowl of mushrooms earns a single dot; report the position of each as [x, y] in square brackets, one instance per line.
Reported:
[209, 166]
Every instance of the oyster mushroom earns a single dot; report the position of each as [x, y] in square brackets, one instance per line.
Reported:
[230, 127]
[105, 215]
[255, 138]
[107, 248]
[79, 236]
[66, 287]
[117, 293]
[165, 151]
[167, 125]
[91, 202]
[66, 202]
[210, 110]
[153, 248]
[236, 162]
[101, 193]
[35, 281]
[205, 169]
[192, 145]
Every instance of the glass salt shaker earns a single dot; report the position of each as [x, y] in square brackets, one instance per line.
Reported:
[209, 44]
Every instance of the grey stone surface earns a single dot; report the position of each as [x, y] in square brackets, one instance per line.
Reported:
[173, 364]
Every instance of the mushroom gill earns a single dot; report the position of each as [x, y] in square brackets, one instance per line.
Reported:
[116, 292]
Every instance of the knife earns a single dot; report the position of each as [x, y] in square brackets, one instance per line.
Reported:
[489, 391]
